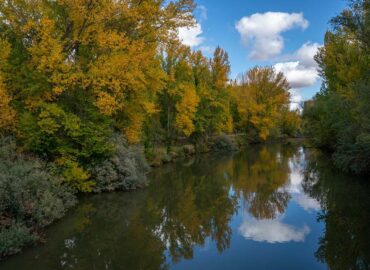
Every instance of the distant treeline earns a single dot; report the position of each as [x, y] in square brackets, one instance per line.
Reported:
[338, 118]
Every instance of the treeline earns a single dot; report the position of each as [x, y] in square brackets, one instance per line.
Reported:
[84, 84]
[77, 74]
[338, 118]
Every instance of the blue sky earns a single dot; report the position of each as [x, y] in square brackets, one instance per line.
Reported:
[266, 32]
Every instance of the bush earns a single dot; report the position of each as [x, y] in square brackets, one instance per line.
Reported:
[224, 143]
[15, 237]
[125, 170]
[354, 157]
[30, 198]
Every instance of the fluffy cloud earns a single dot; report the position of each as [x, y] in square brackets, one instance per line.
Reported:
[263, 32]
[301, 70]
[272, 231]
[307, 203]
[298, 75]
[191, 36]
[306, 54]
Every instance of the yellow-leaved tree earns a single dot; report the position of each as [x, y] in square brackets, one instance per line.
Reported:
[7, 114]
[186, 109]
[262, 96]
[81, 70]
[178, 100]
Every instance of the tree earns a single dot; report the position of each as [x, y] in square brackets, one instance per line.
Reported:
[7, 114]
[220, 102]
[211, 84]
[338, 118]
[195, 101]
[80, 70]
[178, 100]
[262, 97]
[290, 122]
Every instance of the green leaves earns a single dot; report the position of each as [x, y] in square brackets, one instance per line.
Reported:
[338, 118]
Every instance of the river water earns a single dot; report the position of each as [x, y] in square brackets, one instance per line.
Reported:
[266, 207]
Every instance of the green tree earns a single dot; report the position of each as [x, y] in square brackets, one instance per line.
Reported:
[338, 118]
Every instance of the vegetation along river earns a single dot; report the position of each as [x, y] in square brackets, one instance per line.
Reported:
[266, 207]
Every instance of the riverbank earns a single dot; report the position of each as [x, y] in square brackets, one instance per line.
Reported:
[159, 155]
[33, 195]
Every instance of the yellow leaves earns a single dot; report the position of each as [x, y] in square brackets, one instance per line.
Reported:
[74, 175]
[100, 53]
[46, 56]
[47, 51]
[133, 131]
[4, 52]
[7, 114]
[58, 90]
[291, 122]
[106, 103]
[186, 109]
[111, 40]
[261, 97]
[220, 68]
[150, 107]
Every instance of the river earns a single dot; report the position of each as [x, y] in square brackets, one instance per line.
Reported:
[266, 207]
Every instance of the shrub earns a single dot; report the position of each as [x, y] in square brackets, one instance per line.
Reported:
[15, 237]
[224, 143]
[30, 198]
[189, 149]
[125, 170]
[355, 156]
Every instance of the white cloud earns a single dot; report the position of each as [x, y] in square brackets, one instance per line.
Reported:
[301, 70]
[306, 54]
[272, 231]
[307, 203]
[295, 99]
[297, 74]
[263, 31]
[191, 36]
[203, 13]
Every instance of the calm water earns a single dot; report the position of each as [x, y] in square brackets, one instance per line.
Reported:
[268, 207]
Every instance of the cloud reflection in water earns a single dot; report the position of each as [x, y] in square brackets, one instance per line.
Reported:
[272, 231]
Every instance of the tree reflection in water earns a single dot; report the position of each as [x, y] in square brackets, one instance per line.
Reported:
[183, 206]
[259, 176]
[190, 204]
[345, 204]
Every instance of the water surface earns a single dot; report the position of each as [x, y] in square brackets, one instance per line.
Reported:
[266, 207]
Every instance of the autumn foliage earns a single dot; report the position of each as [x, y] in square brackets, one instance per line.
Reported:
[74, 73]
[262, 100]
